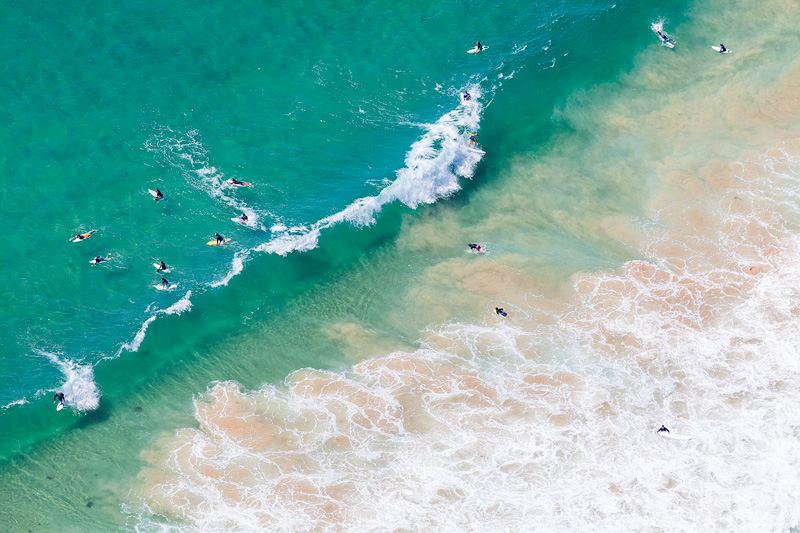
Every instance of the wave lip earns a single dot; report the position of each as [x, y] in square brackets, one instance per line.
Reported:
[433, 166]
[179, 307]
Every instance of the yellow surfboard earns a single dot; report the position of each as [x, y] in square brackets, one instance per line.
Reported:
[214, 242]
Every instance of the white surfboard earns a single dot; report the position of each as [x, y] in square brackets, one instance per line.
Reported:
[162, 287]
[60, 406]
[476, 150]
[668, 44]
[717, 49]
[83, 236]
[673, 436]
[158, 265]
[474, 50]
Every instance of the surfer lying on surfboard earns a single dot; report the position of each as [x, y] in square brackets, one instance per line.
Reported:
[500, 312]
[476, 247]
[662, 429]
[81, 236]
[100, 259]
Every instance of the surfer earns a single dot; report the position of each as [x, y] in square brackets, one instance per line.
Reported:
[722, 48]
[59, 398]
[236, 182]
[243, 218]
[100, 258]
[473, 139]
[164, 282]
[476, 247]
[159, 195]
[79, 236]
[220, 238]
[662, 429]
[161, 267]
[499, 311]
[478, 47]
[467, 96]
[664, 37]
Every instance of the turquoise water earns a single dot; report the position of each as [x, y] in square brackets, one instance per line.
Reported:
[337, 365]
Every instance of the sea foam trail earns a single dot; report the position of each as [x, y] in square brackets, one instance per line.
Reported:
[80, 390]
[179, 307]
[187, 153]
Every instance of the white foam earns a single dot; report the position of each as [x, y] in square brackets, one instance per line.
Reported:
[80, 390]
[433, 166]
[179, 307]
[21, 401]
[187, 153]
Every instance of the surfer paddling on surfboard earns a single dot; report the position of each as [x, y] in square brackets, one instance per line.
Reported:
[500, 312]
[476, 247]
[662, 429]
[100, 259]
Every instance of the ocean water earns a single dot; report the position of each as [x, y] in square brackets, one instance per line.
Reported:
[338, 365]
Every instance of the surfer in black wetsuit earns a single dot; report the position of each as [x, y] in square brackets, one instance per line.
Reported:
[662, 429]
[722, 48]
[476, 247]
[58, 398]
[236, 182]
[164, 282]
[244, 217]
[499, 311]
[467, 96]
[162, 267]
[159, 195]
[479, 46]
[219, 238]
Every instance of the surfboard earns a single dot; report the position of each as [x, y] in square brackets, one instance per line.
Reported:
[158, 265]
[214, 242]
[155, 195]
[474, 50]
[162, 287]
[668, 44]
[673, 436]
[717, 49]
[242, 184]
[60, 406]
[84, 235]
[476, 150]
